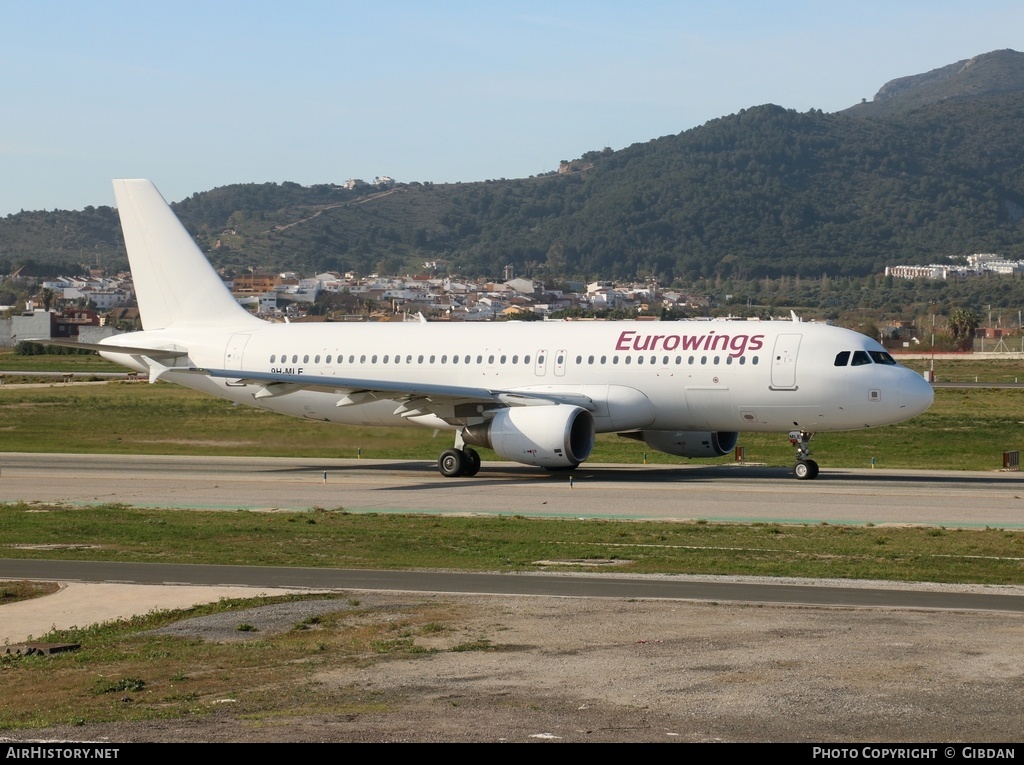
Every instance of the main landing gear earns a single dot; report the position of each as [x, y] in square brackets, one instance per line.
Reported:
[462, 461]
[805, 469]
[455, 463]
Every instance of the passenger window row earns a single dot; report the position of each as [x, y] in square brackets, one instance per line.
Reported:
[397, 359]
[515, 359]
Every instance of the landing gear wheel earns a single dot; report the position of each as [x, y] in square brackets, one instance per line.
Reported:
[805, 470]
[452, 463]
[472, 457]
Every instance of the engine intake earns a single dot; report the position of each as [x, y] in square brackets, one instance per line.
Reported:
[690, 443]
[546, 436]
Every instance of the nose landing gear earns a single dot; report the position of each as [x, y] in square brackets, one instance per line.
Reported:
[805, 468]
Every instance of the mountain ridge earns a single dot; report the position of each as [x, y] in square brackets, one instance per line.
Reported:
[1000, 71]
[930, 168]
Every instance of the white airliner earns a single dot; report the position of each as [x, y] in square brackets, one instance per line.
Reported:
[535, 393]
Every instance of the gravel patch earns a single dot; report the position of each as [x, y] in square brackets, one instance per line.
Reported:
[578, 669]
[257, 623]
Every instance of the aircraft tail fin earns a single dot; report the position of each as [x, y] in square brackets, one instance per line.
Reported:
[174, 282]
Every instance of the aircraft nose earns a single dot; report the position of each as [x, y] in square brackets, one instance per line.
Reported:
[915, 394]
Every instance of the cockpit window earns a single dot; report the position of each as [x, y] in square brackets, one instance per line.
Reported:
[881, 357]
[842, 358]
[860, 358]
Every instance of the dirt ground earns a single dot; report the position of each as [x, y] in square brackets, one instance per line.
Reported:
[568, 669]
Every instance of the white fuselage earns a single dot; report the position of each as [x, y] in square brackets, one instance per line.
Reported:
[665, 376]
[535, 393]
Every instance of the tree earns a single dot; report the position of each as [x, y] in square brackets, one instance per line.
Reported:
[870, 329]
[962, 324]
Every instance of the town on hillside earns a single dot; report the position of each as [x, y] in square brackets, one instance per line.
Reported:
[90, 307]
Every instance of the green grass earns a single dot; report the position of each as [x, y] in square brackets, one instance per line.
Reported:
[970, 368]
[58, 363]
[504, 543]
[126, 672]
[964, 429]
[13, 591]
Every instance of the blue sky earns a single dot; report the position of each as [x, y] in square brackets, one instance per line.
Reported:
[197, 95]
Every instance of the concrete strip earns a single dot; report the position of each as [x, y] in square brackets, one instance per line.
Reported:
[80, 604]
[665, 492]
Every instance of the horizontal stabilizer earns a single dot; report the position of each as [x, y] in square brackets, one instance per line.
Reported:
[153, 353]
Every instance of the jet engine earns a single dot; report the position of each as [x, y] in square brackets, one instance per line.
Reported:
[554, 436]
[691, 443]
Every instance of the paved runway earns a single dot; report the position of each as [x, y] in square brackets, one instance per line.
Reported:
[715, 493]
[651, 587]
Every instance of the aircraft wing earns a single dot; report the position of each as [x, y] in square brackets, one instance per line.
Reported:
[414, 398]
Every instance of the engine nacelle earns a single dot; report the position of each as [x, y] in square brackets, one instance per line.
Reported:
[691, 443]
[547, 436]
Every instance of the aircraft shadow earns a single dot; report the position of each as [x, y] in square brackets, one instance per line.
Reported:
[509, 473]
